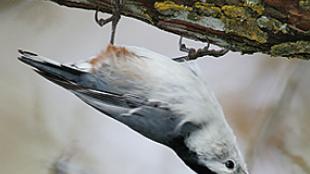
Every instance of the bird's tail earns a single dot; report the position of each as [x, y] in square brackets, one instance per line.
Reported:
[53, 71]
[68, 77]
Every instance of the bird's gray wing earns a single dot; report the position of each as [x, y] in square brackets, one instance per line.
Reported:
[153, 120]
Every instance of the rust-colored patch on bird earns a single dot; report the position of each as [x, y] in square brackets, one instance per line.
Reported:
[111, 52]
[120, 52]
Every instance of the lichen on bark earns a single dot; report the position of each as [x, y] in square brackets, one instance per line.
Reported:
[299, 48]
[246, 26]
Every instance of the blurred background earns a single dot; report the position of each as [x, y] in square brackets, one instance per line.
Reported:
[46, 130]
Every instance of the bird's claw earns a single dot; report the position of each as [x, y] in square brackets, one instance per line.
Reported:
[116, 15]
[201, 52]
[100, 21]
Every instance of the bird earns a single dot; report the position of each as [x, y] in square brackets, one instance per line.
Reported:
[163, 100]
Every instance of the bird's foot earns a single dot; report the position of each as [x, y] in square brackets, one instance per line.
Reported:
[116, 15]
[201, 52]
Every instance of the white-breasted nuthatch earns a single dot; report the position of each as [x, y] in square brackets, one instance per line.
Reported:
[161, 99]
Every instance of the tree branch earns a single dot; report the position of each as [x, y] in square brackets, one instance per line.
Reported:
[273, 27]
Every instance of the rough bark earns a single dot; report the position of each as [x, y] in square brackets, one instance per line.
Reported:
[273, 27]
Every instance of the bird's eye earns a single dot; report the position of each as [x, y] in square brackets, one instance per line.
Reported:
[230, 164]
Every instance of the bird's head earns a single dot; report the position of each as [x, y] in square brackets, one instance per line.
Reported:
[212, 149]
[227, 161]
